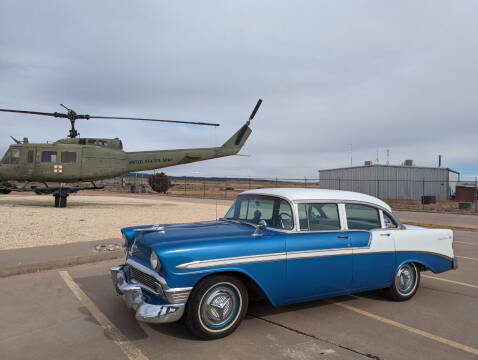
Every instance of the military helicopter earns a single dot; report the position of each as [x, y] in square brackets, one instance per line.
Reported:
[76, 159]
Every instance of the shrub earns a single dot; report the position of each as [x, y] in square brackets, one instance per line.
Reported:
[160, 182]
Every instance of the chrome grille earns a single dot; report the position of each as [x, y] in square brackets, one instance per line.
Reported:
[143, 278]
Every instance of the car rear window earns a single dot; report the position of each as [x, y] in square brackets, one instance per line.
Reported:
[362, 217]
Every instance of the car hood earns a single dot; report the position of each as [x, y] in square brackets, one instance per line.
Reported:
[176, 237]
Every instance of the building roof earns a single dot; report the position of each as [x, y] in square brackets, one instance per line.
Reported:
[392, 166]
[297, 194]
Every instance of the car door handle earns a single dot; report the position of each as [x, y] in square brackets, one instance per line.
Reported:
[385, 234]
[343, 237]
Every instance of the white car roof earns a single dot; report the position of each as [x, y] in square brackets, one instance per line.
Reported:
[298, 194]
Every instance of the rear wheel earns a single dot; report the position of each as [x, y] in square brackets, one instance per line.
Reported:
[216, 307]
[405, 283]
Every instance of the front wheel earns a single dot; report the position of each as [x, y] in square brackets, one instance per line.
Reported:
[405, 283]
[216, 307]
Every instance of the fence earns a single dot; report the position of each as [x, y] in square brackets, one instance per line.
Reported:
[208, 188]
[429, 195]
[425, 194]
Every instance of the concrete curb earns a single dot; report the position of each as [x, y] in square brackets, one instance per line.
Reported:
[437, 226]
[60, 263]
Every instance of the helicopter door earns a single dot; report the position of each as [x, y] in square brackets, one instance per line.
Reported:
[29, 161]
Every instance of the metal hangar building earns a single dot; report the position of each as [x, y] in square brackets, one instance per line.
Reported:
[407, 182]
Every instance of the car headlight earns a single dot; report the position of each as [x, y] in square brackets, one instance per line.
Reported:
[124, 241]
[153, 259]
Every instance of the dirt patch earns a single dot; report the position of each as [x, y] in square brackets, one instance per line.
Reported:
[31, 220]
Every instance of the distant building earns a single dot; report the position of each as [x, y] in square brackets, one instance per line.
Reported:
[407, 182]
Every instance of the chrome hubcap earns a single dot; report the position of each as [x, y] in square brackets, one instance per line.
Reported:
[218, 306]
[405, 278]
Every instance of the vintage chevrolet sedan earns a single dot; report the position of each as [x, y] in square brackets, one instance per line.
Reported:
[285, 245]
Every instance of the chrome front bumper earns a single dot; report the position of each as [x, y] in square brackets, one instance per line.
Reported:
[134, 298]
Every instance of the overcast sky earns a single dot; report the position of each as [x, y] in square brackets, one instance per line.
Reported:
[398, 75]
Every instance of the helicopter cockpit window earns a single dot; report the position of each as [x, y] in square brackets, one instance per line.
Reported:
[68, 157]
[48, 156]
[15, 156]
[6, 158]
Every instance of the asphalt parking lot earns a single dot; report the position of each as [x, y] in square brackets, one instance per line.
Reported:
[74, 313]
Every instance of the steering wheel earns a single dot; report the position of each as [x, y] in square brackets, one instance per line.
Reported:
[286, 223]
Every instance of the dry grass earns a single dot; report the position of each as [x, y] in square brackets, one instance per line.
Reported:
[441, 206]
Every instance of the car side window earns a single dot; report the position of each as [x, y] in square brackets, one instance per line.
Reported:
[362, 217]
[319, 217]
[389, 222]
[276, 212]
[285, 219]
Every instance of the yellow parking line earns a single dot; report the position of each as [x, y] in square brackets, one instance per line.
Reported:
[467, 258]
[466, 243]
[451, 281]
[131, 351]
[409, 328]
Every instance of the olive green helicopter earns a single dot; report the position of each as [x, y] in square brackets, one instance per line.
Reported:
[75, 159]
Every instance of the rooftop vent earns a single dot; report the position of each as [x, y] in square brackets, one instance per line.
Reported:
[408, 163]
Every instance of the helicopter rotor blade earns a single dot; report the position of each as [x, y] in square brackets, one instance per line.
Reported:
[146, 119]
[55, 114]
[259, 102]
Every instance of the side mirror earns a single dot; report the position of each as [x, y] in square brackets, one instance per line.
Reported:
[261, 225]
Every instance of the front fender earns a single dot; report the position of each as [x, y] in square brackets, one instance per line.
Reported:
[268, 276]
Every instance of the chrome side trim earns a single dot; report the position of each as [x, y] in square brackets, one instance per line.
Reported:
[200, 264]
[293, 255]
[252, 259]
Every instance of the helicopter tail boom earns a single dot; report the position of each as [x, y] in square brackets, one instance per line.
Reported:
[234, 144]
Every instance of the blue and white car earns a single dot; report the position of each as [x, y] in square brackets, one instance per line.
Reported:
[285, 245]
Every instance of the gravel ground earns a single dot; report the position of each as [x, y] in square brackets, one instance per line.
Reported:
[31, 220]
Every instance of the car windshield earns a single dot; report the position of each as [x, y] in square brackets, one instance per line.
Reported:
[276, 212]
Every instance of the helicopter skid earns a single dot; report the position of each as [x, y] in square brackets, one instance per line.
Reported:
[60, 193]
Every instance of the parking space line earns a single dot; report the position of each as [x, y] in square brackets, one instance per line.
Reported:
[464, 242]
[131, 351]
[413, 330]
[451, 281]
[467, 258]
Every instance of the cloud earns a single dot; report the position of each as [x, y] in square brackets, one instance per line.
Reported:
[399, 76]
